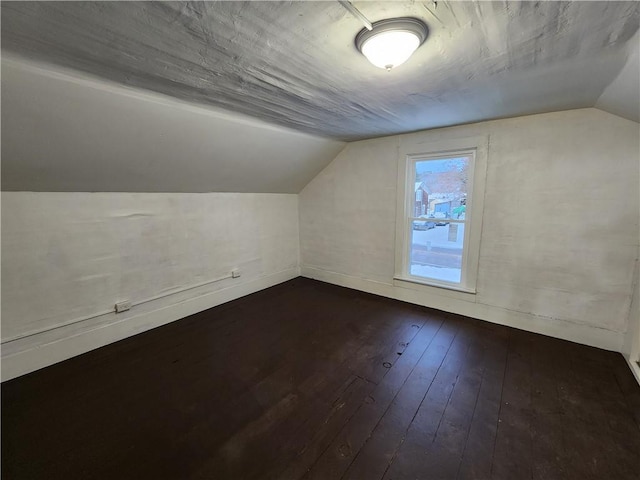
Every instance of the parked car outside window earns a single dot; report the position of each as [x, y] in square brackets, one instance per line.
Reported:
[423, 225]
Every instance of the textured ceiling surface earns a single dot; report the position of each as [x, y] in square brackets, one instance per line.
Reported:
[295, 63]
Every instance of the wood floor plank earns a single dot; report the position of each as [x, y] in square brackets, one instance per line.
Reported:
[445, 455]
[548, 444]
[513, 446]
[413, 457]
[315, 442]
[306, 392]
[291, 382]
[316, 434]
[338, 456]
[375, 456]
[477, 454]
[599, 443]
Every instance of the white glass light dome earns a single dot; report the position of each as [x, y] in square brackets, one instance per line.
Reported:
[391, 42]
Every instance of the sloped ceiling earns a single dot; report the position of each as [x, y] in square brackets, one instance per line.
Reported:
[67, 132]
[622, 96]
[75, 115]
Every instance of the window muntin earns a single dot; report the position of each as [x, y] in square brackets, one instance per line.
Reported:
[437, 218]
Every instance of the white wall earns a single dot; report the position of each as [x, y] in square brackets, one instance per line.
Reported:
[69, 256]
[560, 228]
[631, 348]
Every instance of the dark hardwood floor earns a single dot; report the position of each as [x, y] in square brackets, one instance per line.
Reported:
[308, 380]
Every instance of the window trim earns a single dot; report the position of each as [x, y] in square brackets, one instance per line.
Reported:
[412, 149]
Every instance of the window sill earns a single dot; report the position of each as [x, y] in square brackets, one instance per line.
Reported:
[451, 290]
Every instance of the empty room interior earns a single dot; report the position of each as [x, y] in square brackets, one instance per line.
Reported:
[320, 240]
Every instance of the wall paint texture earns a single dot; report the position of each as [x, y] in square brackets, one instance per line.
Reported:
[560, 226]
[66, 256]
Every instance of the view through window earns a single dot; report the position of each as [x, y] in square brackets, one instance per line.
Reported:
[439, 216]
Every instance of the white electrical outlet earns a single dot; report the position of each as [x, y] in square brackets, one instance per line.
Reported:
[123, 306]
[235, 273]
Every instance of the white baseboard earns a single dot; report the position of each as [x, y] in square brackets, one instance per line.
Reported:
[635, 368]
[32, 353]
[454, 302]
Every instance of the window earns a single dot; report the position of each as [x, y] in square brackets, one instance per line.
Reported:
[439, 227]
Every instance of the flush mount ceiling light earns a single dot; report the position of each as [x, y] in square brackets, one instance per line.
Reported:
[391, 42]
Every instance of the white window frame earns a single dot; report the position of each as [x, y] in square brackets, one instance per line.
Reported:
[414, 149]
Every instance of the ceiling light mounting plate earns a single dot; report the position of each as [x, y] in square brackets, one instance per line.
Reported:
[391, 41]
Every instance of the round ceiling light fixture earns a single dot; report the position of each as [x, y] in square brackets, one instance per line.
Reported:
[391, 42]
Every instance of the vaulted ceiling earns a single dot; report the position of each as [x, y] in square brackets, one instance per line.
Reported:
[295, 64]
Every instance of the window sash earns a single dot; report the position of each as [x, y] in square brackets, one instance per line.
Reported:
[412, 160]
[437, 219]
